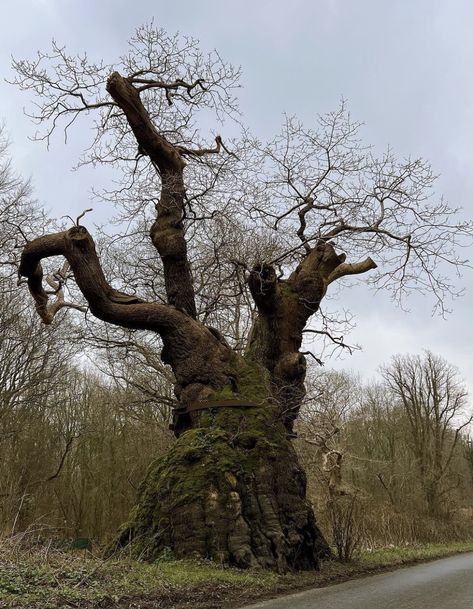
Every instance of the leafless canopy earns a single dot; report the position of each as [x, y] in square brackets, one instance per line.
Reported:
[239, 225]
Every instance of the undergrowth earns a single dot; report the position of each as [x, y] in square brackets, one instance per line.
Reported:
[40, 576]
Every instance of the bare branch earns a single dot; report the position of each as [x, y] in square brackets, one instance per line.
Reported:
[82, 215]
[354, 268]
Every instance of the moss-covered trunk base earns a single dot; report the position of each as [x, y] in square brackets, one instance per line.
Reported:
[230, 490]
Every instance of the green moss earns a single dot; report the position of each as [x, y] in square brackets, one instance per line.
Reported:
[211, 460]
[224, 451]
[252, 381]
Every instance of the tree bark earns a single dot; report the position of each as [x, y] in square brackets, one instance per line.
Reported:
[284, 308]
[167, 231]
[231, 490]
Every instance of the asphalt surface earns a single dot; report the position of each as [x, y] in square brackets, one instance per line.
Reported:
[442, 584]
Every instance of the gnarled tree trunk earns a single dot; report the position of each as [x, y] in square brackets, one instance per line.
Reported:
[231, 488]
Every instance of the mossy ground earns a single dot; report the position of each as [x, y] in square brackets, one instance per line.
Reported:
[40, 578]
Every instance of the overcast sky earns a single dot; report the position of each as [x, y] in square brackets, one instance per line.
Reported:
[405, 68]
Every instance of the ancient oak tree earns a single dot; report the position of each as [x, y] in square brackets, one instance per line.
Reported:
[227, 250]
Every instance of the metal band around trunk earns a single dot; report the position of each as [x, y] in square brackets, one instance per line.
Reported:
[221, 404]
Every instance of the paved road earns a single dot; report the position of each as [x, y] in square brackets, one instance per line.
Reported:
[442, 584]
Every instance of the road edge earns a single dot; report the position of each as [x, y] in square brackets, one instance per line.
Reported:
[355, 570]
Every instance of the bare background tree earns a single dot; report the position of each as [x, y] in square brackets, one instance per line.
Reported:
[435, 401]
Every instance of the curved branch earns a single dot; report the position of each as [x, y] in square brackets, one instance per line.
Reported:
[199, 152]
[106, 303]
[183, 337]
[170, 88]
[354, 268]
[127, 97]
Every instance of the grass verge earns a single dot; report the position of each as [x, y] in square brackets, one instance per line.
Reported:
[42, 578]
